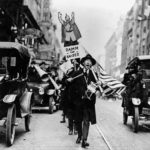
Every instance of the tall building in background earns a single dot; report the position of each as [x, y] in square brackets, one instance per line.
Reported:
[136, 34]
[51, 50]
[29, 22]
[113, 50]
[131, 38]
[110, 54]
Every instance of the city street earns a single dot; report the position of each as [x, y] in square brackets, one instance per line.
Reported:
[120, 136]
[48, 133]
[61, 54]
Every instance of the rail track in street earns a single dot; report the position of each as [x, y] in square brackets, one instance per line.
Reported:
[104, 137]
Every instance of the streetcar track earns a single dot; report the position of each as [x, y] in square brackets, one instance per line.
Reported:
[104, 137]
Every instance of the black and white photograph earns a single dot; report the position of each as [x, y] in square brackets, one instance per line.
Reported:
[74, 74]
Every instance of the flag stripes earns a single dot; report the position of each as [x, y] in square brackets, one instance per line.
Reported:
[109, 84]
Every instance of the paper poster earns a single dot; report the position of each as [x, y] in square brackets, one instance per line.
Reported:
[70, 32]
[72, 52]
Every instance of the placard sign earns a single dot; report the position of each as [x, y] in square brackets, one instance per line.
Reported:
[72, 52]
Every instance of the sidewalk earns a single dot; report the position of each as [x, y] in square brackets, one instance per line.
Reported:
[47, 133]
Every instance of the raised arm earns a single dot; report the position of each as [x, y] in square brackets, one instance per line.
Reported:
[73, 17]
[60, 18]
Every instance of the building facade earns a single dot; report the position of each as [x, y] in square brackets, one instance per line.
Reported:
[136, 36]
[113, 50]
[29, 22]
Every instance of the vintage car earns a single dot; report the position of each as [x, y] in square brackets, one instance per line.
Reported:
[15, 100]
[43, 87]
[138, 93]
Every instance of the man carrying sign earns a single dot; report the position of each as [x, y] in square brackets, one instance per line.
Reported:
[84, 104]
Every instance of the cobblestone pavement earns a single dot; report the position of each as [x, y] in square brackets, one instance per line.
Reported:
[47, 133]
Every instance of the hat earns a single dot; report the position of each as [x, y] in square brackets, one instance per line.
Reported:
[42, 63]
[88, 56]
[33, 62]
[53, 68]
[77, 59]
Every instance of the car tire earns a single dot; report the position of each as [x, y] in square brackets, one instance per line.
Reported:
[10, 125]
[135, 120]
[51, 109]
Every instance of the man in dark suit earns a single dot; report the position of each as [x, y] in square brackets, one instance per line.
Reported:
[69, 94]
[84, 104]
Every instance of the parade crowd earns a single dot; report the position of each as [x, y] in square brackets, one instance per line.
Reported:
[78, 103]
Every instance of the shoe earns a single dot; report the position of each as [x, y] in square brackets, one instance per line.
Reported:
[78, 140]
[63, 121]
[75, 132]
[85, 144]
[70, 132]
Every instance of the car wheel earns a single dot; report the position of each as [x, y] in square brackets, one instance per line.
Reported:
[135, 120]
[10, 125]
[51, 109]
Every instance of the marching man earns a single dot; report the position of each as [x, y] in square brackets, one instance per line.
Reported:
[84, 104]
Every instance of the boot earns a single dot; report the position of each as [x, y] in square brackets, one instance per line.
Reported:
[78, 140]
[70, 132]
[84, 144]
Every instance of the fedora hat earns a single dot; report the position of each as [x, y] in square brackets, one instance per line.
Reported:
[88, 56]
[42, 63]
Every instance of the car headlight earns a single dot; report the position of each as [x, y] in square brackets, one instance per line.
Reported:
[136, 101]
[31, 90]
[50, 92]
[148, 101]
[144, 86]
[41, 91]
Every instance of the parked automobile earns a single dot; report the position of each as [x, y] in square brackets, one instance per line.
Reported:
[137, 93]
[15, 99]
[43, 88]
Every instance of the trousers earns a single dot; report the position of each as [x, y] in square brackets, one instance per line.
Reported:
[83, 126]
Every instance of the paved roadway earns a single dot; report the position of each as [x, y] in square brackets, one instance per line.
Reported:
[120, 136]
[47, 133]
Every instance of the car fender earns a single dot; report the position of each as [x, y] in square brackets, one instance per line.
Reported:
[25, 103]
[10, 98]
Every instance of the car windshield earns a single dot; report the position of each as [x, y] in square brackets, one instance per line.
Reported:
[6, 63]
[146, 69]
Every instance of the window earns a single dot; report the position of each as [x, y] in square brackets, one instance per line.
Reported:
[144, 29]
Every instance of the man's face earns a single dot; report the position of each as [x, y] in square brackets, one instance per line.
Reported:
[75, 63]
[67, 18]
[87, 64]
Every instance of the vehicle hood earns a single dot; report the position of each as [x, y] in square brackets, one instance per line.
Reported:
[37, 85]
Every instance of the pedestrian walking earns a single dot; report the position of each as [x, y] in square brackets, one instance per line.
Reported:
[84, 104]
[69, 95]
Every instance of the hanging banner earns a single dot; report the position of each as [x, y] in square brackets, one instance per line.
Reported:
[72, 52]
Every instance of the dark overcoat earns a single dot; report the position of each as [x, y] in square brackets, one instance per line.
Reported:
[81, 103]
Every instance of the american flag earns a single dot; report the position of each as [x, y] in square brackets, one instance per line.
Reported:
[108, 85]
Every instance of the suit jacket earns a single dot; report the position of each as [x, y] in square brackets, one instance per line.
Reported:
[79, 92]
